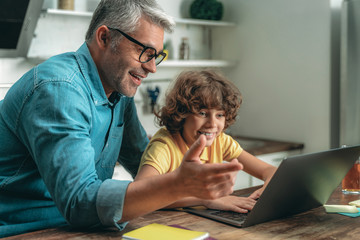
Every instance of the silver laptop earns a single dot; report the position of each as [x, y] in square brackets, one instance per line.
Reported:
[300, 183]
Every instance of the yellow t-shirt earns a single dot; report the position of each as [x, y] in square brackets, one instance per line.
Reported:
[165, 151]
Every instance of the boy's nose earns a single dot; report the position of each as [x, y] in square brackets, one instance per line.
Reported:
[212, 121]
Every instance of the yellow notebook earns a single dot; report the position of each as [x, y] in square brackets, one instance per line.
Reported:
[156, 231]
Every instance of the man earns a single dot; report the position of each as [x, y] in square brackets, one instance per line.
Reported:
[66, 122]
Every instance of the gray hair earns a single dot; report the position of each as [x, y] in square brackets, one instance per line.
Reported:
[125, 15]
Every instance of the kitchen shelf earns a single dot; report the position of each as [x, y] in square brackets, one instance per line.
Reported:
[67, 12]
[5, 85]
[210, 23]
[196, 63]
[168, 63]
[187, 21]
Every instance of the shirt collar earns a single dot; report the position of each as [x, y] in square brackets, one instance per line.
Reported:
[91, 75]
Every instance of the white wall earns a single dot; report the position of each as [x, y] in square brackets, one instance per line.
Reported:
[283, 48]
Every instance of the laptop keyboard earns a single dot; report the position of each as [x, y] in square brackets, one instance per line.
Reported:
[231, 215]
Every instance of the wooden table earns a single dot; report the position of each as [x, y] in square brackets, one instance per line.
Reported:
[313, 224]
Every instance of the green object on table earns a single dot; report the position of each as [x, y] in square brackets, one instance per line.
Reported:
[206, 9]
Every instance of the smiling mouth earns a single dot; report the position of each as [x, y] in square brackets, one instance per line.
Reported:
[138, 78]
[207, 134]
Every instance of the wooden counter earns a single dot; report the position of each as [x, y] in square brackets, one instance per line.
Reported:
[313, 224]
[260, 146]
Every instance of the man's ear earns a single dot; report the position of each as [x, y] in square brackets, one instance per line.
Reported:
[102, 36]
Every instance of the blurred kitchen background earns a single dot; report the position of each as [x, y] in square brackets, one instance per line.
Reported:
[295, 63]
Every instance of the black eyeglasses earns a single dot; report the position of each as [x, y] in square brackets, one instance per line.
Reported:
[147, 53]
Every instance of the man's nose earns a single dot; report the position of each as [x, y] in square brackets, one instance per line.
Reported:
[150, 66]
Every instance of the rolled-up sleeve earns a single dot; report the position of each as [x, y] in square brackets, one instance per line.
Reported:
[110, 211]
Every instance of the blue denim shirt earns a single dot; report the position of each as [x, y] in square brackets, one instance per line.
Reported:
[60, 138]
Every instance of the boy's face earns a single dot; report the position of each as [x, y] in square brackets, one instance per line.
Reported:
[209, 122]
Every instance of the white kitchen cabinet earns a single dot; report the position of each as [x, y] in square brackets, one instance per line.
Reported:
[4, 87]
[244, 180]
[11, 69]
[196, 63]
[121, 174]
[274, 159]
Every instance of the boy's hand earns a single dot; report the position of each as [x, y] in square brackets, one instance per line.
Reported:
[231, 203]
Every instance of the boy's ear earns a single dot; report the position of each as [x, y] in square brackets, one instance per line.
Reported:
[102, 36]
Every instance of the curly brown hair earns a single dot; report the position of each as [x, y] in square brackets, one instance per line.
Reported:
[196, 90]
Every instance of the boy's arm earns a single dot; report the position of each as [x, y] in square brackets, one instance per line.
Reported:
[145, 172]
[257, 168]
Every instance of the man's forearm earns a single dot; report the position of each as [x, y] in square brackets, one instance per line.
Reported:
[150, 194]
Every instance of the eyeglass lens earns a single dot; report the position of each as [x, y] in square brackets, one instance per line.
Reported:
[150, 53]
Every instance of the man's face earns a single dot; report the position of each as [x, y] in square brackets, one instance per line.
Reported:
[121, 70]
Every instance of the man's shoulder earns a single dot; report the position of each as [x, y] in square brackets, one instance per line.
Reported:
[60, 67]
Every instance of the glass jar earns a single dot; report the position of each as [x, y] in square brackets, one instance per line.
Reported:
[184, 49]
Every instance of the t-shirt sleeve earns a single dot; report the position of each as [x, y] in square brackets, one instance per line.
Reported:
[232, 148]
[157, 155]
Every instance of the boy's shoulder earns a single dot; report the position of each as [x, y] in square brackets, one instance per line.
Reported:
[161, 133]
[225, 140]
[165, 137]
